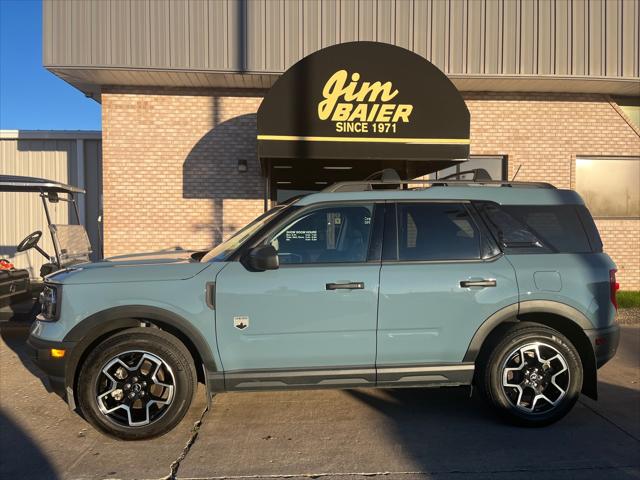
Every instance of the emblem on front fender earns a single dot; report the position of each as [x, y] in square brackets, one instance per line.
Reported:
[241, 322]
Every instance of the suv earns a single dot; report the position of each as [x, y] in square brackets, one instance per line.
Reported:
[500, 285]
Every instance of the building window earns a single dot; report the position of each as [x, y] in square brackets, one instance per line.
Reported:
[610, 186]
[494, 165]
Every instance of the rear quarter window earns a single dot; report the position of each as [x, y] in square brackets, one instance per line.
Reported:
[557, 226]
[542, 228]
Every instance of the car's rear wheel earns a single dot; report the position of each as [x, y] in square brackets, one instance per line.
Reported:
[137, 384]
[533, 375]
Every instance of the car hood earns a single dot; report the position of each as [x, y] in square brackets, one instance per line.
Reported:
[154, 266]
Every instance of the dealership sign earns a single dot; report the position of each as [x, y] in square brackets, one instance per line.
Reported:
[361, 107]
[364, 100]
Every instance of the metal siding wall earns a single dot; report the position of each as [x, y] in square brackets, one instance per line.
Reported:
[384, 27]
[533, 37]
[630, 35]
[421, 24]
[456, 53]
[312, 27]
[403, 24]
[367, 14]
[22, 213]
[544, 60]
[293, 32]
[140, 35]
[179, 34]
[348, 21]
[563, 39]
[439, 55]
[493, 37]
[329, 23]
[159, 37]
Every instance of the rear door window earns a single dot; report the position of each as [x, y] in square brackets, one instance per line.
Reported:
[436, 231]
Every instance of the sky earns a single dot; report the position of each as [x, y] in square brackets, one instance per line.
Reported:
[32, 98]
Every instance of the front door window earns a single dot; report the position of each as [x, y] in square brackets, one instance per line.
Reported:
[337, 234]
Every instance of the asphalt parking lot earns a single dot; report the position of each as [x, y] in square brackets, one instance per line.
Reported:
[403, 434]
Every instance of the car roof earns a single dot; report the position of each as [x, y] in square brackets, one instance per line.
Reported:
[501, 194]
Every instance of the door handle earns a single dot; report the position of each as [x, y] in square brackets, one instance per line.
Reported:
[478, 283]
[345, 286]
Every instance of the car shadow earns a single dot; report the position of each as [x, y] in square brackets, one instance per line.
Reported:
[18, 445]
[444, 431]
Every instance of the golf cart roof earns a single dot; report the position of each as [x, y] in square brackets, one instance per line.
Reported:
[15, 183]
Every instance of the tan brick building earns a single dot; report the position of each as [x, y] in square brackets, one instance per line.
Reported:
[547, 87]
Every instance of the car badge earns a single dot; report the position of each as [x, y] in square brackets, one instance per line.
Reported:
[241, 322]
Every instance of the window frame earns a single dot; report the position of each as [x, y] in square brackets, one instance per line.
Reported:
[391, 244]
[602, 158]
[377, 229]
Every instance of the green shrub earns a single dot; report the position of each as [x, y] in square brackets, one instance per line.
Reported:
[629, 299]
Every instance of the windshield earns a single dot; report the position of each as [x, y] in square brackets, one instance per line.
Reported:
[72, 243]
[223, 250]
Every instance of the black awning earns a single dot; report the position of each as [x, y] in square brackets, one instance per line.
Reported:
[364, 101]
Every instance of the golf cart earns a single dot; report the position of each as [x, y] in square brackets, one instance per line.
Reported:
[70, 241]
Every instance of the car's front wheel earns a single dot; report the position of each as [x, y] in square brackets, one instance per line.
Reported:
[533, 375]
[137, 384]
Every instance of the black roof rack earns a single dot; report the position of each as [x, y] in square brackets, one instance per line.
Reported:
[366, 185]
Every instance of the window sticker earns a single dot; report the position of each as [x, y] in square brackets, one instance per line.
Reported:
[306, 235]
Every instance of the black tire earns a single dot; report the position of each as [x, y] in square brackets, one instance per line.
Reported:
[165, 374]
[515, 352]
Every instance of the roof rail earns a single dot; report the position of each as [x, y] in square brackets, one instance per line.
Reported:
[365, 185]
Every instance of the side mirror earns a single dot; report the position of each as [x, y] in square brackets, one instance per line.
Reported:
[264, 257]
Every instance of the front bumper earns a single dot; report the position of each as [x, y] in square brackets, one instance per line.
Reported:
[53, 368]
[604, 342]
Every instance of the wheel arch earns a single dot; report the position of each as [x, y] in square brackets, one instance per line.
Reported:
[565, 319]
[101, 325]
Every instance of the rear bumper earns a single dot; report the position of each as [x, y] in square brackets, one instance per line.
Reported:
[604, 342]
[53, 368]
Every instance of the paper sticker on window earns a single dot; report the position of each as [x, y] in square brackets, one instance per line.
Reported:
[306, 235]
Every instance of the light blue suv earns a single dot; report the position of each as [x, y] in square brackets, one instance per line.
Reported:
[376, 284]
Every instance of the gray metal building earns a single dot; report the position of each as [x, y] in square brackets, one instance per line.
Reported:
[70, 157]
[483, 45]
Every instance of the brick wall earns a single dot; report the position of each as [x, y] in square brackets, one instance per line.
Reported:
[170, 169]
[171, 176]
[544, 133]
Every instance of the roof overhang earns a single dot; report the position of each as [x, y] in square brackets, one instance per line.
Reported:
[92, 80]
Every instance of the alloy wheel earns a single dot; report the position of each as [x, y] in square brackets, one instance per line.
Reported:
[135, 388]
[535, 377]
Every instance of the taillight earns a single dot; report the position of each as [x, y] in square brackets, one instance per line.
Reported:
[614, 286]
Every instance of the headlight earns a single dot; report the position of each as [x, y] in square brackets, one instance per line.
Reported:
[50, 303]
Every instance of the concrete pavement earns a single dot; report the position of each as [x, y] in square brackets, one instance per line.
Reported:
[403, 434]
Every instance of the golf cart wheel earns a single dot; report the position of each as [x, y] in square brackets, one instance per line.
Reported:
[533, 376]
[137, 384]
